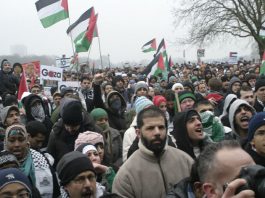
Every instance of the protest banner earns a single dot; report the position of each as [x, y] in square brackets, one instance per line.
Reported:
[51, 73]
[74, 84]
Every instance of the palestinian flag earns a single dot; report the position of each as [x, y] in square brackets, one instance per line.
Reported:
[83, 30]
[149, 46]
[262, 68]
[52, 11]
[155, 67]
[83, 44]
[162, 49]
[22, 86]
[170, 62]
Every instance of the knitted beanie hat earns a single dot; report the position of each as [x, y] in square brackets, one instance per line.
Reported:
[139, 85]
[260, 82]
[186, 94]
[141, 103]
[14, 175]
[256, 121]
[71, 165]
[89, 137]
[98, 113]
[234, 80]
[157, 100]
[72, 113]
[188, 84]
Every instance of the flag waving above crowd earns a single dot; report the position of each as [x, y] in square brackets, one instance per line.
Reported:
[83, 30]
[52, 11]
[149, 46]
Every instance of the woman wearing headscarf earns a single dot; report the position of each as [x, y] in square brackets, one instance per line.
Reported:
[32, 163]
[92, 144]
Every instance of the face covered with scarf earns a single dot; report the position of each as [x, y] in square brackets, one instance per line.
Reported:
[115, 102]
[101, 118]
[16, 141]
[37, 111]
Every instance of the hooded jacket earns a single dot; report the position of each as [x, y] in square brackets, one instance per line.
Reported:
[230, 98]
[236, 104]
[116, 119]
[61, 141]
[181, 136]
[9, 83]
[233, 80]
[27, 102]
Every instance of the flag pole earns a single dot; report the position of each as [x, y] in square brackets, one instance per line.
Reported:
[177, 101]
[88, 54]
[100, 53]
[71, 37]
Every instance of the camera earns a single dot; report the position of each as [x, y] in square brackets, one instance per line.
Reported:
[255, 177]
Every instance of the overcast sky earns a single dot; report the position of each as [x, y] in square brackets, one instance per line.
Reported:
[123, 25]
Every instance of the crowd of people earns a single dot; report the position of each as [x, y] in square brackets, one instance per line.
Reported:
[186, 134]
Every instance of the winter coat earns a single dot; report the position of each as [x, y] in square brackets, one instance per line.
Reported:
[62, 142]
[113, 152]
[180, 190]
[9, 83]
[229, 99]
[258, 159]
[258, 106]
[145, 175]
[116, 119]
[129, 137]
[86, 97]
[27, 105]
[134, 147]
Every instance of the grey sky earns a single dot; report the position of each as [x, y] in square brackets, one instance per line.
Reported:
[124, 26]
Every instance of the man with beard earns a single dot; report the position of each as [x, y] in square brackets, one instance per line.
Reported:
[240, 114]
[154, 167]
[77, 176]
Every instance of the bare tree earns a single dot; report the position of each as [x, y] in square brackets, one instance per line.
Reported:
[213, 18]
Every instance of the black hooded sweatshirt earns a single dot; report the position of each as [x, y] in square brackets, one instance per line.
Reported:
[180, 133]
